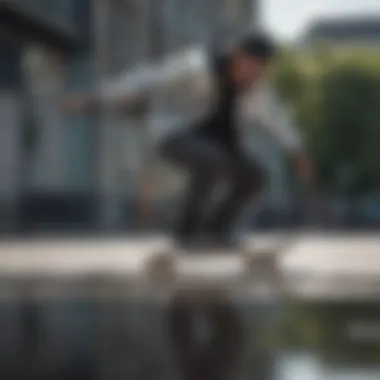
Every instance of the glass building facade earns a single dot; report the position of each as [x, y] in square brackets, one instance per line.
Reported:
[60, 171]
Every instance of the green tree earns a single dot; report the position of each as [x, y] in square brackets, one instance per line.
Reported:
[336, 99]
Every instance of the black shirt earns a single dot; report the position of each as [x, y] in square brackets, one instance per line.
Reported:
[219, 124]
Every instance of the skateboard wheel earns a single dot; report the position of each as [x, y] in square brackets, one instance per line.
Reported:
[161, 268]
[261, 263]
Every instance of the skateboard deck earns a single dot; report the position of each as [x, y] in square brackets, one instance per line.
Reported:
[214, 268]
[153, 269]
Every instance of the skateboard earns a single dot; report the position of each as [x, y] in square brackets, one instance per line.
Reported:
[220, 268]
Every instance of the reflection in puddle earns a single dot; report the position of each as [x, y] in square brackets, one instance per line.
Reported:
[297, 366]
[306, 366]
[312, 341]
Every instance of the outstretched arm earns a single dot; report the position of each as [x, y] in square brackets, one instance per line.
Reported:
[187, 67]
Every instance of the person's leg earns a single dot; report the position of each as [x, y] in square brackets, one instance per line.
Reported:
[227, 342]
[246, 179]
[183, 346]
[215, 357]
[195, 201]
[205, 162]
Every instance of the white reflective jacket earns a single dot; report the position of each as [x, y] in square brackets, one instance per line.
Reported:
[186, 78]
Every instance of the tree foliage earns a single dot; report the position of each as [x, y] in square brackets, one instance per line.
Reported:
[335, 96]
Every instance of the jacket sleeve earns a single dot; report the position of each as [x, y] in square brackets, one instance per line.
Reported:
[266, 108]
[187, 67]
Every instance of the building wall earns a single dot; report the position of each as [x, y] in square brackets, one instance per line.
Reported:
[84, 155]
[187, 22]
[64, 159]
[44, 74]
[340, 45]
[46, 156]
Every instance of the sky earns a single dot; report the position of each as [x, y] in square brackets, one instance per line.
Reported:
[289, 18]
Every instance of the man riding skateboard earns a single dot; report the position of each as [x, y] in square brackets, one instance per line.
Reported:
[210, 149]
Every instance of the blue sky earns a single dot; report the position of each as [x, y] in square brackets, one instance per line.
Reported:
[288, 18]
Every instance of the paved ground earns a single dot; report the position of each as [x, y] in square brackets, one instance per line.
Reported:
[315, 265]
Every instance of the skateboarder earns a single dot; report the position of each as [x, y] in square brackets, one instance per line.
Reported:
[210, 150]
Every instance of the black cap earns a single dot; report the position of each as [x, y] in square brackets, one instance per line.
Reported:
[259, 45]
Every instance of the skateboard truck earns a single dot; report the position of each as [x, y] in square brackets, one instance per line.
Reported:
[263, 265]
[161, 268]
